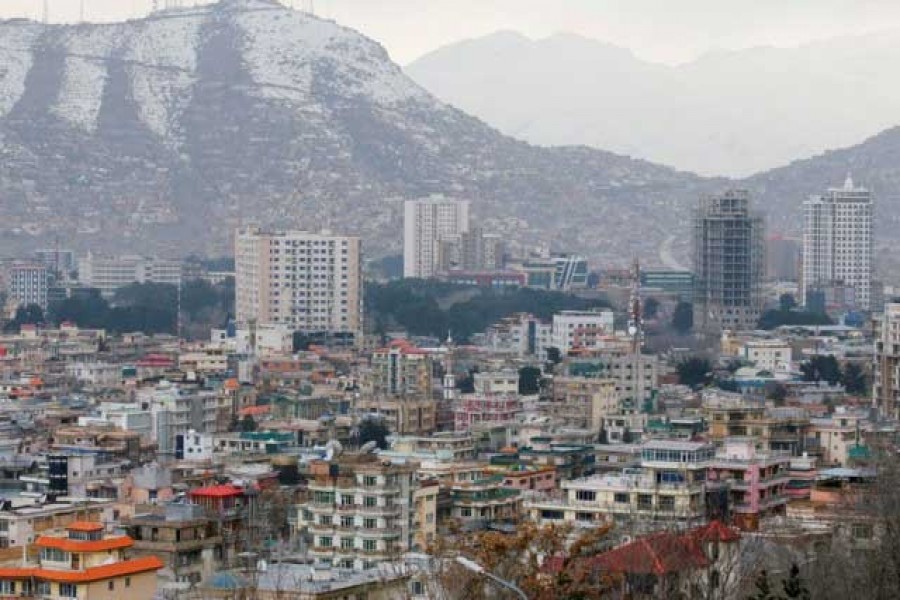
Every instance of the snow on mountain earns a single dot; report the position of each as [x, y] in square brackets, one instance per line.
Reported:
[162, 57]
[16, 41]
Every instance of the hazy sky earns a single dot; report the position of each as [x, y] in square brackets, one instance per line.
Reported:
[662, 30]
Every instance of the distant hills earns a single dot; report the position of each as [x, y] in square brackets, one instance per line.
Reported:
[727, 113]
[164, 134]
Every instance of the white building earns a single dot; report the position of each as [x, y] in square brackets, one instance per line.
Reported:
[176, 410]
[770, 355]
[27, 283]
[521, 334]
[109, 273]
[581, 329]
[838, 242]
[128, 417]
[310, 282]
[425, 223]
[886, 371]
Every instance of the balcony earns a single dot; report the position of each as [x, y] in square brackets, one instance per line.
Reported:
[182, 546]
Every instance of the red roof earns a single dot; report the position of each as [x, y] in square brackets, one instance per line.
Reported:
[68, 545]
[656, 554]
[715, 531]
[255, 411]
[118, 569]
[84, 526]
[218, 491]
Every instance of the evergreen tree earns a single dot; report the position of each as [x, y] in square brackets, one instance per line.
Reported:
[763, 588]
[794, 586]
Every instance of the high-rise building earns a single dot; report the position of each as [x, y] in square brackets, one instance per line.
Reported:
[310, 282]
[425, 223]
[838, 242]
[782, 258]
[472, 251]
[886, 371]
[27, 283]
[729, 256]
[109, 273]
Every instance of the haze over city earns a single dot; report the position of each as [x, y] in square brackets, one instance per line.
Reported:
[593, 300]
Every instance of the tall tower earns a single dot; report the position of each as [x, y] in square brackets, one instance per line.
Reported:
[636, 331]
[426, 223]
[729, 262]
[838, 243]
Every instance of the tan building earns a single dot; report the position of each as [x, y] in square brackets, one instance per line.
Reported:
[583, 401]
[83, 562]
[360, 511]
[402, 370]
[777, 429]
[310, 282]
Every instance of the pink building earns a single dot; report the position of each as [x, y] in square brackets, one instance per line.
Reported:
[755, 481]
[471, 409]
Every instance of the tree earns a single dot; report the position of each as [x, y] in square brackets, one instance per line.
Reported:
[776, 392]
[771, 319]
[529, 381]
[683, 317]
[787, 302]
[25, 315]
[763, 588]
[694, 371]
[821, 368]
[554, 356]
[248, 424]
[794, 586]
[374, 430]
[853, 379]
[651, 308]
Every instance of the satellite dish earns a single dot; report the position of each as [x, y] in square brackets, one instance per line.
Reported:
[332, 449]
[368, 447]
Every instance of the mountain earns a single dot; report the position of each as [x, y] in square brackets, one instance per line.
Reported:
[162, 135]
[166, 133]
[727, 113]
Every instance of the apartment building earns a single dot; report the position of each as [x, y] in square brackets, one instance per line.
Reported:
[729, 262]
[311, 282]
[426, 223]
[756, 481]
[83, 562]
[109, 273]
[583, 402]
[28, 283]
[580, 329]
[402, 370]
[636, 375]
[670, 486]
[495, 400]
[886, 371]
[838, 242]
[361, 511]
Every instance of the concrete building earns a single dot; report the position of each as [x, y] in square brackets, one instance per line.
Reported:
[770, 355]
[361, 511]
[403, 370]
[838, 243]
[583, 402]
[310, 282]
[426, 223]
[580, 329]
[471, 251]
[522, 335]
[83, 562]
[109, 273]
[886, 371]
[28, 283]
[729, 263]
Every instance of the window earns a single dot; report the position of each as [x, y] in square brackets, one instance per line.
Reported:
[68, 590]
[370, 501]
[111, 585]
[585, 495]
[43, 588]
[370, 481]
[370, 523]
[128, 582]
[621, 498]
[862, 531]
[347, 543]
[370, 545]
[667, 503]
[346, 521]
[325, 542]
[7, 587]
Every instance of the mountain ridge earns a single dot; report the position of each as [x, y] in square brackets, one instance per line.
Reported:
[163, 135]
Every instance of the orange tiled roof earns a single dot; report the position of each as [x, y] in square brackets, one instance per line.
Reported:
[119, 569]
[67, 545]
[84, 526]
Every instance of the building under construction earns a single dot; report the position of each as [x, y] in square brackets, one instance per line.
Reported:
[729, 262]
